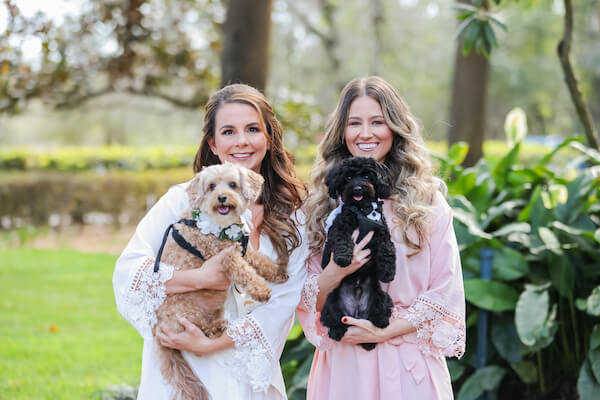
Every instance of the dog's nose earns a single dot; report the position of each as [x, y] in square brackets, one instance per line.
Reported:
[222, 198]
[357, 190]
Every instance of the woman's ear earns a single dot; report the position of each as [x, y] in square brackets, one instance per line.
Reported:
[384, 183]
[252, 184]
[211, 143]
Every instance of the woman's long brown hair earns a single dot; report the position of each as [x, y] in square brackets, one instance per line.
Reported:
[282, 192]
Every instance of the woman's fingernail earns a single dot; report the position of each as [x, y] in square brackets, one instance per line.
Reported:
[344, 319]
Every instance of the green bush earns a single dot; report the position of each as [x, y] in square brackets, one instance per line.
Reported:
[101, 159]
[36, 198]
[544, 296]
[97, 158]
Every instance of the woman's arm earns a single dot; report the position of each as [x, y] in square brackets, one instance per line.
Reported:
[210, 276]
[363, 330]
[332, 275]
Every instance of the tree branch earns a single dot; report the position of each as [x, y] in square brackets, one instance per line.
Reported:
[307, 24]
[564, 49]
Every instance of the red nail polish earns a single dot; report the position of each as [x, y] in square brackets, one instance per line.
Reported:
[344, 319]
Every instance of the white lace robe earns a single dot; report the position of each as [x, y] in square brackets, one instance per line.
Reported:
[251, 369]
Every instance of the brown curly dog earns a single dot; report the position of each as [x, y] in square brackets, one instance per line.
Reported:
[218, 196]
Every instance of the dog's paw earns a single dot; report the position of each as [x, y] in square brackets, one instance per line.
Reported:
[337, 332]
[387, 275]
[368, 346]
[282, 276]
[262, 295]
[343, 260]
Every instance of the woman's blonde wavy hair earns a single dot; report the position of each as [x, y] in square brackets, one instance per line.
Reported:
[282, 192]
[408, 160]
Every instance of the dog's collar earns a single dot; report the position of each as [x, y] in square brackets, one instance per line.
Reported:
[234, 232]
[179, 239]
[374, 215]
[237, 232]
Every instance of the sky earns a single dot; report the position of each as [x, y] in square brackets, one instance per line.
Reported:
[56, 10]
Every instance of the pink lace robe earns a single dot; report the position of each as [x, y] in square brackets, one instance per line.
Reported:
[428, 292]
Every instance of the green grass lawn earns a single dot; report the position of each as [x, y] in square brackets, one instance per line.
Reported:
[60, 333]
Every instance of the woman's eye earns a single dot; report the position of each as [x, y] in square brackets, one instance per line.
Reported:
[232, 185]
[253, 129]
[212, 186]
[354, 123]
[227, 132]
[377, 122]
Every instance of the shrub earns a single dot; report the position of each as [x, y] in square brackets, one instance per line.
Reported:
[41, 199]
[543, 298]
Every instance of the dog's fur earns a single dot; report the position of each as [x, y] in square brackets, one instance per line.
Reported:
[217, 186]
[359, 182]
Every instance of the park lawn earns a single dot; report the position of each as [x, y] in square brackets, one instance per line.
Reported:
[61, 335]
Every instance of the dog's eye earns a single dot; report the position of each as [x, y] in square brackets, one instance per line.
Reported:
[366, 176]
[212, 186]
[349, 178]
[232, 185]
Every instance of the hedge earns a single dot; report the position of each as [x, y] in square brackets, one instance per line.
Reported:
[117, 197]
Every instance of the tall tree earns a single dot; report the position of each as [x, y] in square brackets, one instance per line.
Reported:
[468, 103]
[247, 30]
[564, 50]
[151, 52]
[328, 31]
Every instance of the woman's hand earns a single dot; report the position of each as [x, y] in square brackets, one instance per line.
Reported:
[362, 331]
[360, 256]
[333, 274]
[210, 276]
[191, 339]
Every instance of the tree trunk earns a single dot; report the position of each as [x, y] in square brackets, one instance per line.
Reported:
[246, 31]
[564, 50]
[468, 103]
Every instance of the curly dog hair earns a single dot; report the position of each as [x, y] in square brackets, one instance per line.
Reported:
[221, 193]
[361, 183]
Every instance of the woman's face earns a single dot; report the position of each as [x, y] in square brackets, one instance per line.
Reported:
[367, 134]
[239, 136]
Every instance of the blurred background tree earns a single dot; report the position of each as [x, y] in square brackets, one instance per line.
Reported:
[138, 71]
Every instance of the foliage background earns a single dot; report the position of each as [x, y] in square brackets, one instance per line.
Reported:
[103, 136]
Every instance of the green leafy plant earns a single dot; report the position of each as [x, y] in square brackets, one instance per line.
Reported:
[543, 226]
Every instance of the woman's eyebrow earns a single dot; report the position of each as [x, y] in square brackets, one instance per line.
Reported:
[226, 127]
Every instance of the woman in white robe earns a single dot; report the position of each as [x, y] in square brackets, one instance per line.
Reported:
[243, 363]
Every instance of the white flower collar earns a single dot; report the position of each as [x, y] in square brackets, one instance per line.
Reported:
[233, 232]
[373, 216]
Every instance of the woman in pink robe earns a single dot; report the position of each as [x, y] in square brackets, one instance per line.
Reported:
[428, 318]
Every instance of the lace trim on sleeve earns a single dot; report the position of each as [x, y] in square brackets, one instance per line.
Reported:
[146, 293]
[314, 331]
[253, 359]
[440, 332]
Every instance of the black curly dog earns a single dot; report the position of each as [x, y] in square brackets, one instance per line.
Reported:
[361, 183]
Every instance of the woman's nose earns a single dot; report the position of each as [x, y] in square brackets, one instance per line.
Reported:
[242, 139]
[365, 131]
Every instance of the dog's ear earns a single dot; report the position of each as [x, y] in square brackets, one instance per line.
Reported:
[334, 180]
[384, 183]
[196, 188]
[252, 184]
